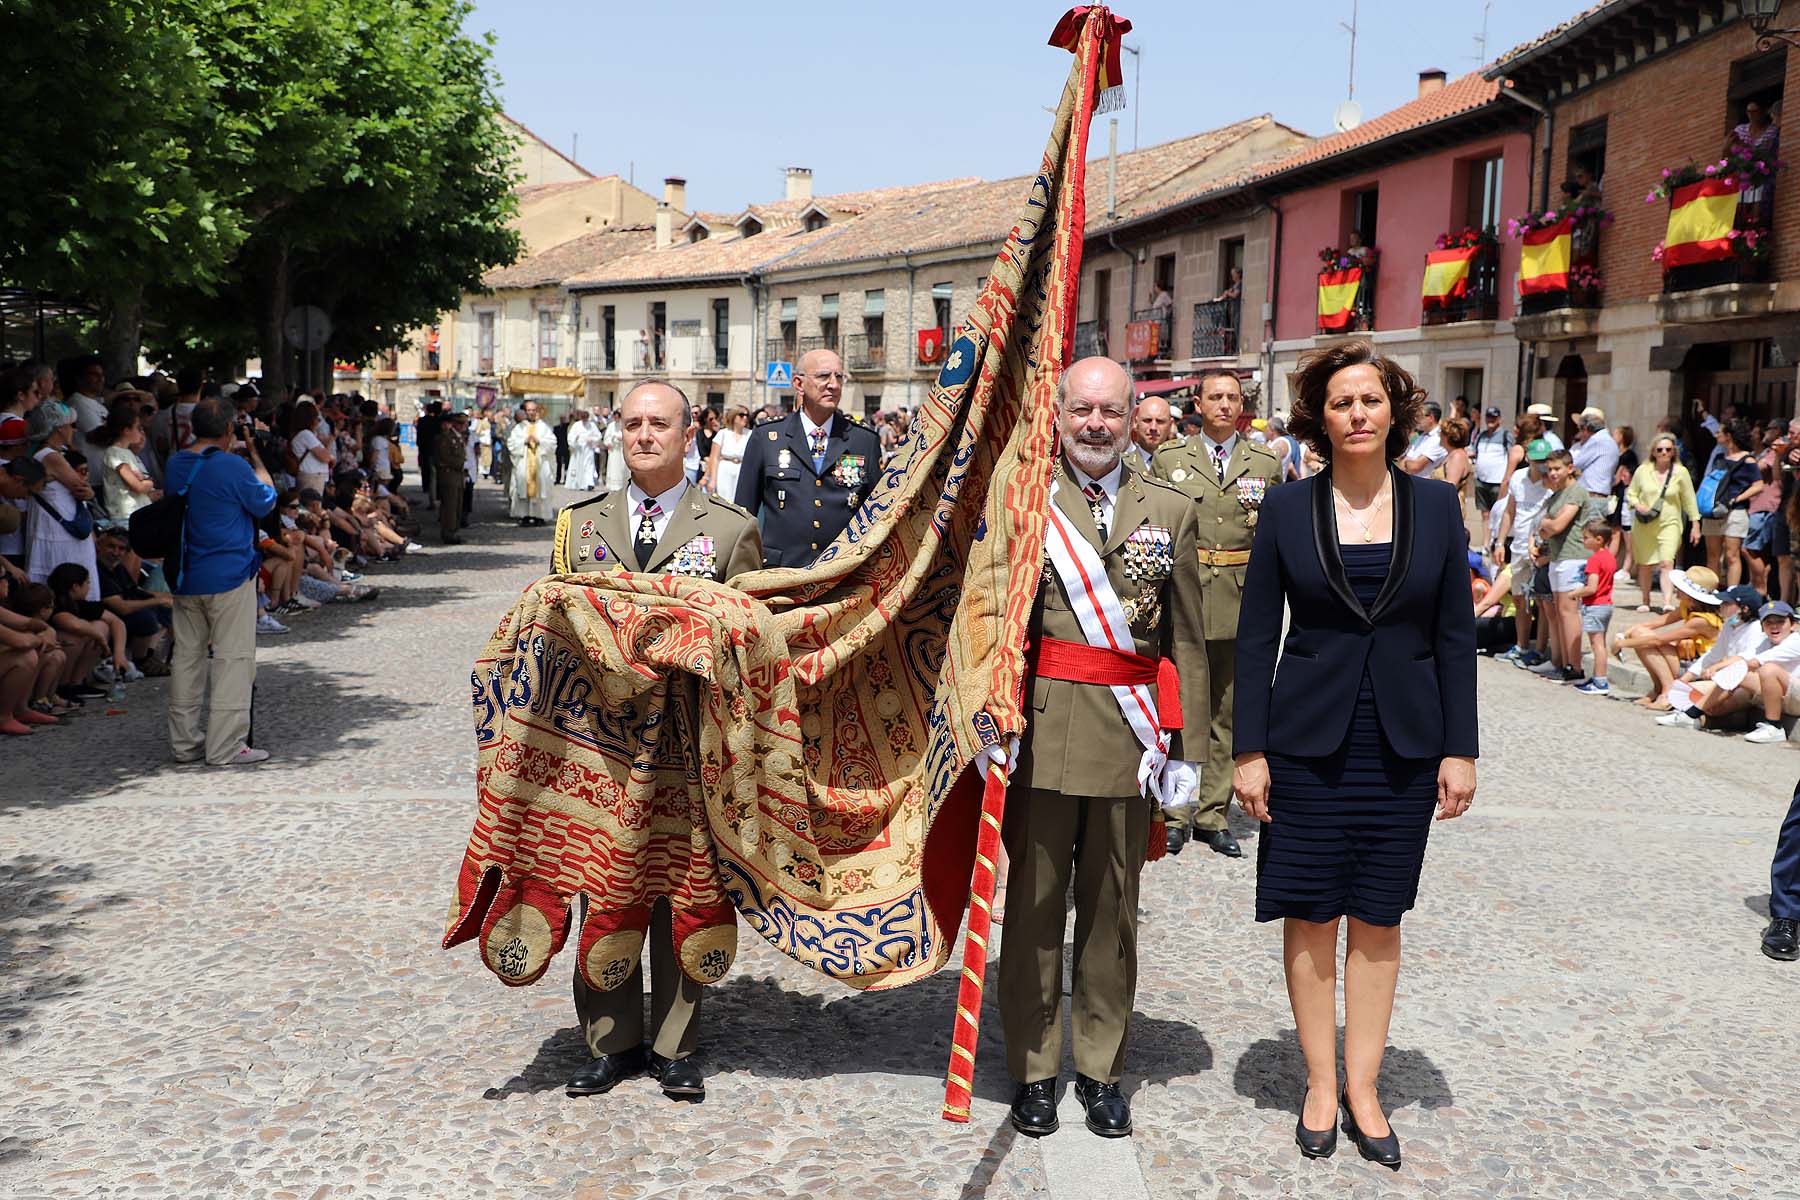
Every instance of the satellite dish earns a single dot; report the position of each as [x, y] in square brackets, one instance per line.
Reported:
[1347, 115]
[307, 327]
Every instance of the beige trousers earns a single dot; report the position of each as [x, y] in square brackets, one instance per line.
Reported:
[225, 622]
[1101, 840]
[613, 1022]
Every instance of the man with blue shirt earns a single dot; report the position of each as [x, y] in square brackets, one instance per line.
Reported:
[215, 598]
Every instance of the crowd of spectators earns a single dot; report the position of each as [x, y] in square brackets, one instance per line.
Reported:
[1701, 528]
[81, 613]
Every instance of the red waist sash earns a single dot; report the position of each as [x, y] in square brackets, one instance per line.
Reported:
[1077, 662]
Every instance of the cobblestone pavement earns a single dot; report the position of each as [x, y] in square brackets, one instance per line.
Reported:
[221, 983]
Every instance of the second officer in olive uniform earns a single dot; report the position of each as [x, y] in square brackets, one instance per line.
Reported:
[806, 474]
[1227, 476]
[661, 524]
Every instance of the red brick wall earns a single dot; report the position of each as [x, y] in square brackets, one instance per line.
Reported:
[1665, 113]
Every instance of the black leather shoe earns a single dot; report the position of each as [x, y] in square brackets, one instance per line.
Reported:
[1382, 1150]
[1107, 1112]
[605, 1072]
[1221, 841]
[1177, 835]
[1781, 940]
[1314, 1143]
[1034, 1108]
[680, 1077]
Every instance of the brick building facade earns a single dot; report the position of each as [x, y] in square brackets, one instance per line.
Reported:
[1631, 88]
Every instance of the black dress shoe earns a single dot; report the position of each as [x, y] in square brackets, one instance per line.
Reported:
[679, 1077]
[605, 1072]
[1781, 940]
[1107, 1112]
[1177, 835]
[1034, 1108]
[1314, 1143]
[1383, 1150]
[1221, 841]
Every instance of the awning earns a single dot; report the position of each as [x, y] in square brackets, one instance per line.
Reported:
[1163, 387]
[546, 381]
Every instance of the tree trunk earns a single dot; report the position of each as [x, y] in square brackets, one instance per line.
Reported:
[271, 312]
[122, 327]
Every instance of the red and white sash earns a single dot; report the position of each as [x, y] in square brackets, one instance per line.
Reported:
[1103, 624]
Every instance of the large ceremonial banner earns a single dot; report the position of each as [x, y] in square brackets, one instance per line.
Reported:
[797, 748]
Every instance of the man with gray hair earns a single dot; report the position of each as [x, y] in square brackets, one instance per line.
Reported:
[1104, 747]
[1596, 459]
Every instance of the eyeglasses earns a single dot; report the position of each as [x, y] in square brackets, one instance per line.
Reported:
[824, 377]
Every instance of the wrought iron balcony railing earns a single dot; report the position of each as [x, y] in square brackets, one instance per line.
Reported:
[861, 353]
[1216, 328]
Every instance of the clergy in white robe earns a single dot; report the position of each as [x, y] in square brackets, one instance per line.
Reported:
[584, 440]
[532, 446]
[617, 473]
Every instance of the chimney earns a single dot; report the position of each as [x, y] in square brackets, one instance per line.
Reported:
[799, 183]
[675, 193]
[1430, 80]
[665, 225]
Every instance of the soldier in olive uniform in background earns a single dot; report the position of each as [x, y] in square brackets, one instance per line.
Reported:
[1078, 809]
[658, 524]
[449, 450]
[1227, 477]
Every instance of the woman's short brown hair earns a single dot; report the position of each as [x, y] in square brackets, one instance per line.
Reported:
[1306, 418]
[1456, 433]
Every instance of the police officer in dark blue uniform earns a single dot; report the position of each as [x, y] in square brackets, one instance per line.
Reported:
[805, 475]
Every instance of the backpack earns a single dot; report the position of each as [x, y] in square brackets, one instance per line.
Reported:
[1709, 499]
[159, 529]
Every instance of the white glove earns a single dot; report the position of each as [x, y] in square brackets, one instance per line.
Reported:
[1002, 756]
[1180, 778]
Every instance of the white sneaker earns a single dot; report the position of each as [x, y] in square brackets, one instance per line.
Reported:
[104, 673]
[132, 674]
[1766, 734]
[413, 547]
[267, 624]
[247, 757]
[1678, 720]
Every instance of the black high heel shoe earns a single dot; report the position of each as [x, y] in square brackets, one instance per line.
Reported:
[1383, 1150]
[1314, 1143]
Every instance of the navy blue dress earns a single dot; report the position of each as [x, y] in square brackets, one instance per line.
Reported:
[1347, 831]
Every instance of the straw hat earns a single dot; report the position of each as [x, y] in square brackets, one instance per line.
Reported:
[1698, 583]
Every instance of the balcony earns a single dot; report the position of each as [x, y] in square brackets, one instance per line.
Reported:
[1090, 340]
[779, 350]
[587, 356]
[1216, 328]
[1153, 343]
[808, 344]
[1480, 301]
[863, 354]
[711, 358]
[1753, 248]
[1361, 316]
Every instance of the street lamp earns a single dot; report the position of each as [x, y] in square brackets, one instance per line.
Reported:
[1761, 14]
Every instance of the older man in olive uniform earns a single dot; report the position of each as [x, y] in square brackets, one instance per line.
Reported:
[1227, 477]
[658, 524]
[806, 474]
[1120, 565]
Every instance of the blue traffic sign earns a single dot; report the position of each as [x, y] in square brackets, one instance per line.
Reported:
[781, 375]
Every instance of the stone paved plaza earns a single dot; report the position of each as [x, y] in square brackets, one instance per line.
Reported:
[228, 983]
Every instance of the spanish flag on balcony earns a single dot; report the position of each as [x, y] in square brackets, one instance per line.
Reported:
[1337, 297]
[1701, 216]
[1446, 276]
[1544, 256]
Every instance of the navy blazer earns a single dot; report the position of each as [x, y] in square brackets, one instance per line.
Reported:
[1417, 641]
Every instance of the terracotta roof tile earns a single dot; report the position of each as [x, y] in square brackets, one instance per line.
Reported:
[589, 252]
[1524, 49]
[1455, 98]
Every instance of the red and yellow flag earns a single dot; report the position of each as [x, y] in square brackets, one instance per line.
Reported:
[1337, 298]
[1447, 275]
[1544, 257]
[1701, 216]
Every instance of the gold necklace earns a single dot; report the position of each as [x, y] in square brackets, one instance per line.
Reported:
[1381, 498]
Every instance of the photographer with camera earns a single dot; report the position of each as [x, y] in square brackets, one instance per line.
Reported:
[228, 491]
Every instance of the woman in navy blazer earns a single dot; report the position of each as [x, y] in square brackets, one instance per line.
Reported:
[1364, 729]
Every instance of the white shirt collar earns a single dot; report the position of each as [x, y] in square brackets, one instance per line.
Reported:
[1109, 483]
[808, 428]
[1229, 444]
[666, 502]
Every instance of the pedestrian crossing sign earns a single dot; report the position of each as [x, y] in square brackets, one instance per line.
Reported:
[781, 374]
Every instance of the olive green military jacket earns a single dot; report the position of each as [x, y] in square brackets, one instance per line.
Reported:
[706, 537]
[1077, 741]
[1225, 513]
